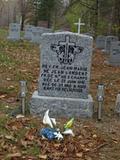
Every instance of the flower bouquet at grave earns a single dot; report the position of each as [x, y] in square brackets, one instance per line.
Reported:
[52, 132]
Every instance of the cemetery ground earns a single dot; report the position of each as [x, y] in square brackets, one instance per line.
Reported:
[93, 140]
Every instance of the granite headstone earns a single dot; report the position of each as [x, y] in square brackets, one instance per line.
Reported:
[117, 105]
[108, 41]
[28, 32]
[64, 77]
[14, 31]
[114, 58]
[37, 32]
[100, 42]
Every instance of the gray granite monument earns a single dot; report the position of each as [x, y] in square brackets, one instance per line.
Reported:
[100, 42]
[28, 32]
[37, 32]
[108, 41]
[117, 105]
[114, 58]
[14, 31]
[64, 76]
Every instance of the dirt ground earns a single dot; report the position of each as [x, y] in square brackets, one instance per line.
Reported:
[93, 140]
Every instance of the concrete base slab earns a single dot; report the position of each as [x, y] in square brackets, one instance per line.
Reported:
[61, 107]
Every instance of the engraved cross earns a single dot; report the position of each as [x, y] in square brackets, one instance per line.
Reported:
[67, 44]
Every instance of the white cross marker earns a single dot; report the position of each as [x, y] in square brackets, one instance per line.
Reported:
[79, 24]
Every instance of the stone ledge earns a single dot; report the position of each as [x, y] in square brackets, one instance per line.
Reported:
[61, 107]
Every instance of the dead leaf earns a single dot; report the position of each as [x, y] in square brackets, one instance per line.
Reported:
[7, 107]
[20, 116]
[15, 125]
[8, 79]
[57, 144]
[24, 143]
[30, 134]
[94, 136]
[3, 96]
[43, 156]
[80, 155]
[13, 155]
[10, 137]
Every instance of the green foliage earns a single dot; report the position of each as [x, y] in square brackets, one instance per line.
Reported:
[46, 10]
[3, 33]
[33, 151]
[5, 60]
[3, 121]
[99, 16]
[74, 13]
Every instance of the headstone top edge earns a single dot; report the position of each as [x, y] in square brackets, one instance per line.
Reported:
[65, 33]
[14, 24]
[111, 36]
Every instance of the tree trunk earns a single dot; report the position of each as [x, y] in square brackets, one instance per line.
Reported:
[22, 22]
[96, 17]
[117, 17]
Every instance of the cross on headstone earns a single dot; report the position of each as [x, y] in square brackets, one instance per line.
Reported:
[79, 24]
[67, 43]
[66, 50]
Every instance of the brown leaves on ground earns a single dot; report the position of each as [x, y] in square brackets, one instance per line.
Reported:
[18, 136]
[102, 72]
[23, 141]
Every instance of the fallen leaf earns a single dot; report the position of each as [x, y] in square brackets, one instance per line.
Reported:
[8, 79]
[13, 155]
[80, 155]
[24, 143]
[30, 134]
[3, 96]
[94, 136]
[43, 156]
[20, 116]
[6, 106]
[10, 137]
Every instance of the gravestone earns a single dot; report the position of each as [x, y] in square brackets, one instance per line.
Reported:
[14, 31]
[114, 58]
[108, 41]
[37, 32]
[28, 32]
[64, 77]
[117, 105]
[100, 42]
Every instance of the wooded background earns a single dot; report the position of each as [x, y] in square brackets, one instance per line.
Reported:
[99, 16]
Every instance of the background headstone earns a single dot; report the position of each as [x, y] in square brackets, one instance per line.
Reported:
[117, 106]
[100, 42]
[14, 31]
[108, 41]
[64, 78]
[28, 32]
[37, 32]
[114, 58]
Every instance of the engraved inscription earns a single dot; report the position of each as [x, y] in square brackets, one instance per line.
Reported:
[64, 78]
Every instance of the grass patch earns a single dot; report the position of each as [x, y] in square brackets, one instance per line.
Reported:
[3, 120]
[6, 108]
[5, 60]
[3, 33]
[33, 150]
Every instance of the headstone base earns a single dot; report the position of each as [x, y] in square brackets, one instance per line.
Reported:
[61, 107]
[116, 64]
